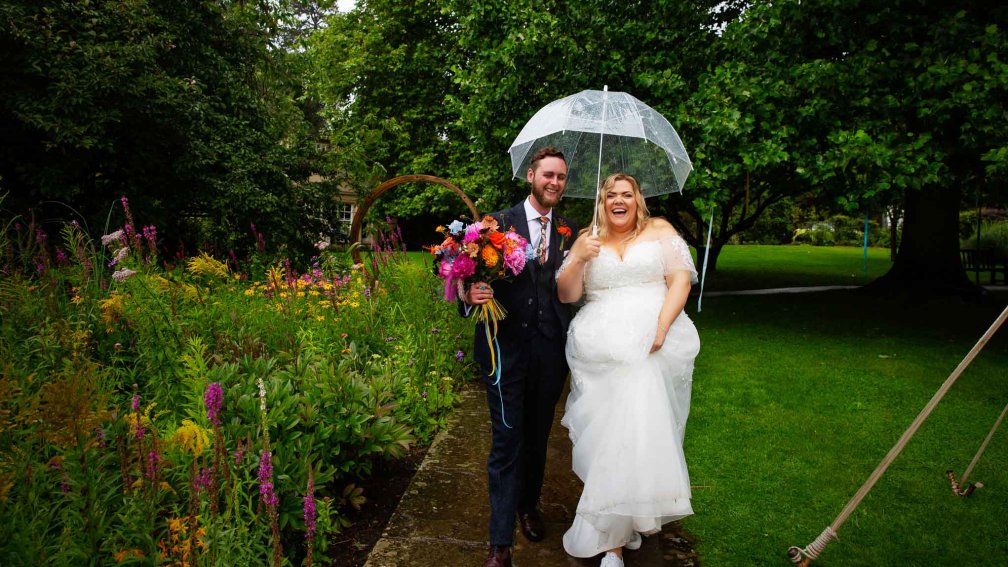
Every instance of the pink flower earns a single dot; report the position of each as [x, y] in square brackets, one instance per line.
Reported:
[472, 232]
[515, 261]
[310, 511]
[266, 492]
[213, 399]
[463, 267]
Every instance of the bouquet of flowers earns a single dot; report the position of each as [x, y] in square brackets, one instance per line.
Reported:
[479, 252]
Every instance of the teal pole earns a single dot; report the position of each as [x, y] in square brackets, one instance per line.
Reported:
[866, 244]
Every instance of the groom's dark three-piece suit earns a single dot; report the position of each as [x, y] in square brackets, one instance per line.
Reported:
[533, 369]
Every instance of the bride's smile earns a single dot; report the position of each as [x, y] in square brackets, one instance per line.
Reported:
[621, 207]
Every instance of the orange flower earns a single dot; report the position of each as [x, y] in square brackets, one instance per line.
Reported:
[490, 223]
[497, 239]
[490, 256]
[564, 230]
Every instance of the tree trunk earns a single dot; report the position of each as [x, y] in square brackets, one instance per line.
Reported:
[715, 251]
[928, 263]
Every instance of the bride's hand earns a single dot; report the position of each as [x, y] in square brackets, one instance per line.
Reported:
[659, 340]
[586, 247]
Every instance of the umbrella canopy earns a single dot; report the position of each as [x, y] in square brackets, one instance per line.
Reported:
[603, 132]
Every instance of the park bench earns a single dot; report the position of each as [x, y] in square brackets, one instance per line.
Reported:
[987, 261]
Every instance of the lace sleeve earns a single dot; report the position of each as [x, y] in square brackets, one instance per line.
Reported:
[676, 256]
[563, 266]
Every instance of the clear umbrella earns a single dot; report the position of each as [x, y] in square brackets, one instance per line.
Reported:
[603, 132]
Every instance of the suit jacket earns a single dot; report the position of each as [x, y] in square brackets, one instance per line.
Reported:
[518, 296]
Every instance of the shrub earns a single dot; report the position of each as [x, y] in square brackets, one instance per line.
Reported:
[183, 415]
[993, 236]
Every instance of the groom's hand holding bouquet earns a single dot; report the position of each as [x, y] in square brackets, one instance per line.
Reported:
[479, 253]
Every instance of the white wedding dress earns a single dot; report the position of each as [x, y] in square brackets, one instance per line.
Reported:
[627, 409]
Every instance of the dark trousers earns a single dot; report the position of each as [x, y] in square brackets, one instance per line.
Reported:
[532, 380]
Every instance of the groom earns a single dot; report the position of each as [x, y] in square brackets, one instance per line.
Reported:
[531, 356]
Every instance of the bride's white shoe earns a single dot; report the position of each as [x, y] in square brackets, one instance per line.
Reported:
[611, 560]
[634, 543]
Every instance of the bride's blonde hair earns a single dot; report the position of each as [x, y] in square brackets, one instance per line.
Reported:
[642, 211]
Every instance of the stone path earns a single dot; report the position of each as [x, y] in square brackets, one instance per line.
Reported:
[443, 516]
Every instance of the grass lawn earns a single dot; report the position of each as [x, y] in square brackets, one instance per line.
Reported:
[797, 398]
[760, 266]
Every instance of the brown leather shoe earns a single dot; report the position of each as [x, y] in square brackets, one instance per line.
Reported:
[500, 556]
[531, 525]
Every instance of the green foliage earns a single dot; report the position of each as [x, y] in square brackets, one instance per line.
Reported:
[182, 105]
[108, 453]
[993, 236]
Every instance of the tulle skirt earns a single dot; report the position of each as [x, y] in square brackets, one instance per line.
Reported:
[626, 415]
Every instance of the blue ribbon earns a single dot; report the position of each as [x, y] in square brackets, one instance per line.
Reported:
[497, 373]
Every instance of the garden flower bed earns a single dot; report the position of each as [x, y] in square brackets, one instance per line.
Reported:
[194, 414]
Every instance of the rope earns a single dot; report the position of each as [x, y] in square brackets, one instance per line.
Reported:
[983, 446]
[909, 433]
[812, 551]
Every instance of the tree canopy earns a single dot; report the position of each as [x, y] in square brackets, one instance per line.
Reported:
[212, 113]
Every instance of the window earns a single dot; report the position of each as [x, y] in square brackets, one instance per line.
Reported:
[345, 213]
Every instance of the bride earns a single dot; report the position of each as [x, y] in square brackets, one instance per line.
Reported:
[630, 350]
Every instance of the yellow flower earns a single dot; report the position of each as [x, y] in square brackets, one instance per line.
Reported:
[112, 308]
[192, 437]
[143, 420]
[206, 265]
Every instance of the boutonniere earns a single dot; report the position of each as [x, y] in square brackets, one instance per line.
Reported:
[563, 230]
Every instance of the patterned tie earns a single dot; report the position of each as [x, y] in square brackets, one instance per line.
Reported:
[542, 251]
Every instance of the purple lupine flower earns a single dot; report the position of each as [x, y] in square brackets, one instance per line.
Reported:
[150, 233]
[213, 399]
[202, 479]
[135, 405]
[459, 355]
[153, 464]
[61, 257]
[309, 508]
[140, 432]
[269, 497]
[239, 453]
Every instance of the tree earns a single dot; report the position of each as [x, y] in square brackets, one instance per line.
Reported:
[382, 73]
[859, 103]
[181, 106]
[522, 55]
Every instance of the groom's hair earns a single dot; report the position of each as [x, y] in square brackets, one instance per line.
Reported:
[545, 152]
